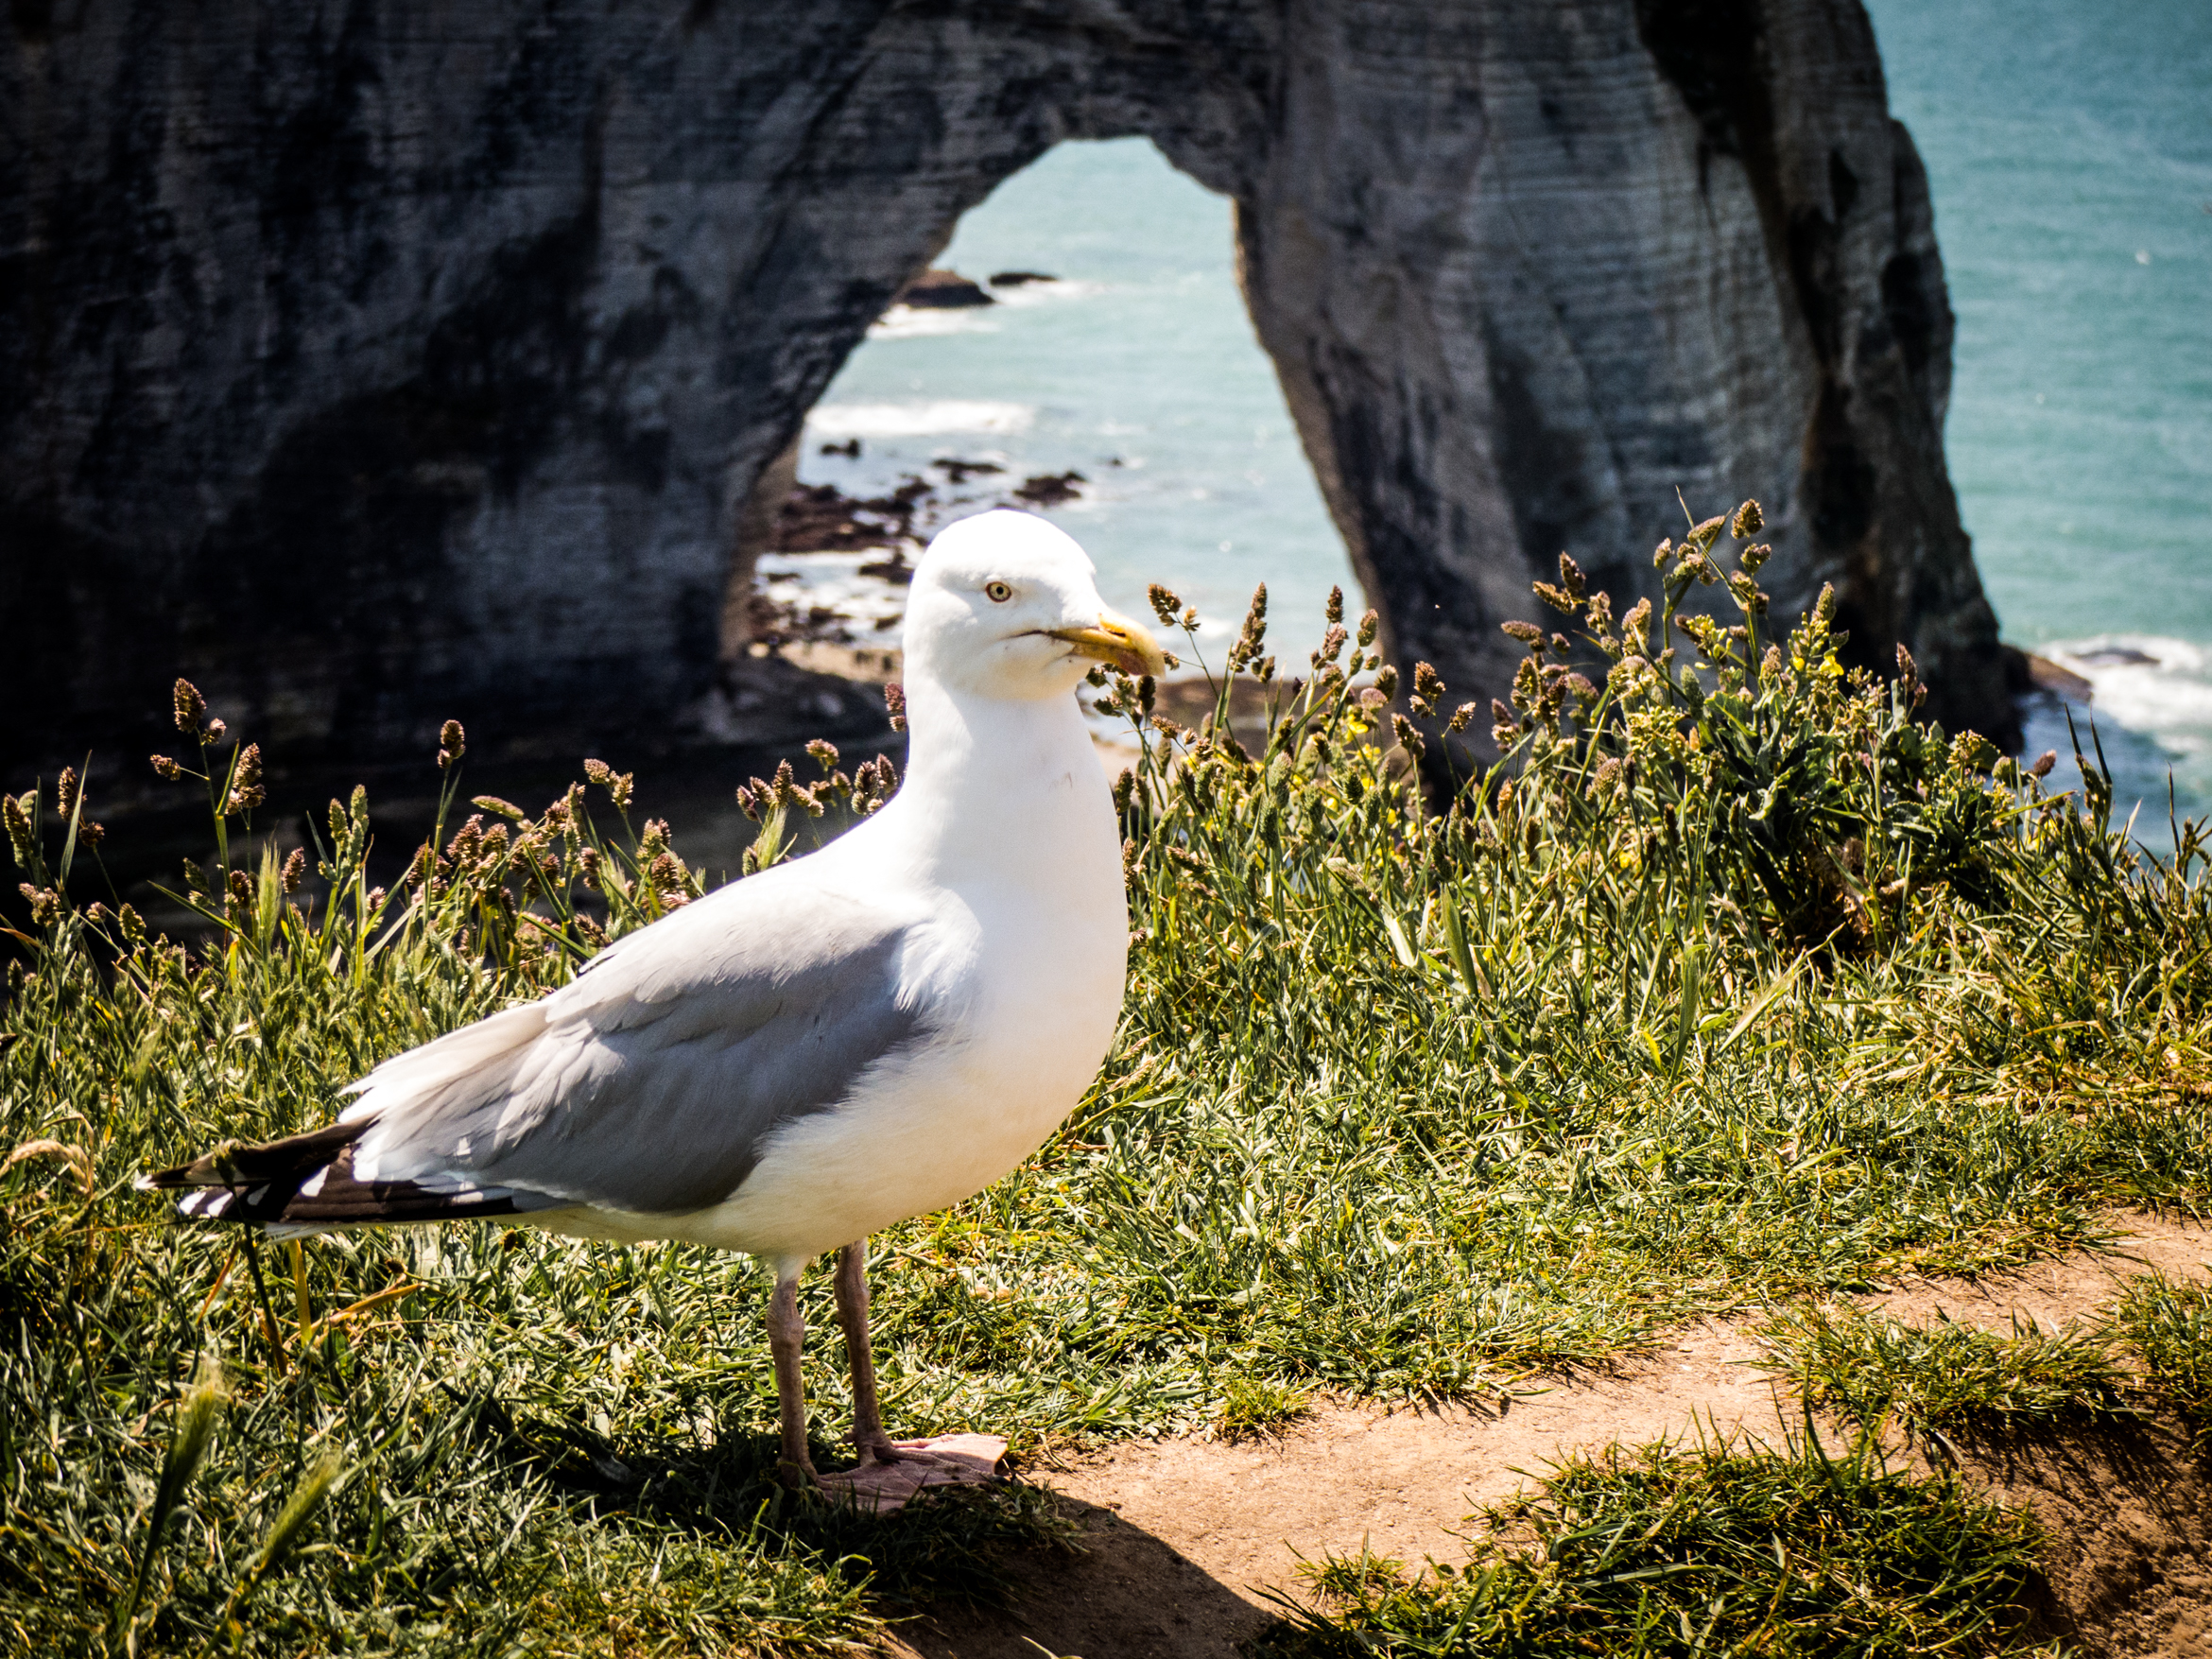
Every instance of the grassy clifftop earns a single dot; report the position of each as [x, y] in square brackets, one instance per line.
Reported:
[1735, 981]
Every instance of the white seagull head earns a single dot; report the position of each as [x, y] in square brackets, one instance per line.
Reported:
[1005, 605]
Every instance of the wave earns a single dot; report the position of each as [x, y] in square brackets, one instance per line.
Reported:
[2147, 683]
[918, 420]
[907, 322]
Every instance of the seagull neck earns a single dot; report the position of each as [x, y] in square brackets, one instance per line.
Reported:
[994, 786]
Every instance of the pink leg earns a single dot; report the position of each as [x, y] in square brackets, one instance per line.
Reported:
[868, 1436]
[787, 1339]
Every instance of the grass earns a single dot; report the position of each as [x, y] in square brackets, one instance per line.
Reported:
[1947, 1379]
[1726, 986]
[1686, 1549]
[1255, 1408]
[2169, 1327]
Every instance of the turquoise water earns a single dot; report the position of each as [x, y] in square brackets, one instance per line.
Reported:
[2070, 152]
[1140, 354]
[2069, 148]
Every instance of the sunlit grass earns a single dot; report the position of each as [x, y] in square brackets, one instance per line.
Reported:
[1729, 988]
[2168, 1326]
[1694, 1549]
[1944, 1378]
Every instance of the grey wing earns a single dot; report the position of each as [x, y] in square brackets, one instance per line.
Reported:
[652, 1083]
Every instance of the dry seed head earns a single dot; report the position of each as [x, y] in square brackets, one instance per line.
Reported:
[1770, 664]
[824, 753]
[1906, 669]
[1747, 522]
[214, 732]
[1124, 789]
[1527, 632]
[294, 869]
[1371, 697]
[1638, 619]
[2044, 762]
[1753, 555]
[1580, 685]
[66, 792]
[1662, 553]
[245, 791]
[1558, 599]
[452, 744]
[1600, 611]
[1165, 604]
[1369, 622]
[599, 771]
[1571, 578]
[1409, 739]
[45, 905]
[1702, 536]
[1462, 717]
[1385, 681]
[189, 707]
[19, 831]
[894, 699]
[166, 770]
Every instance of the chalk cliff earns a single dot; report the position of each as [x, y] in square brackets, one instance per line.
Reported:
[372, 363]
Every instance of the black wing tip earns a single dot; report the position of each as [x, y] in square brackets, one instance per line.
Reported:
[267, 1186]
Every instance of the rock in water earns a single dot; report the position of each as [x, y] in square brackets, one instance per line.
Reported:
[942, 291]
[425, 366]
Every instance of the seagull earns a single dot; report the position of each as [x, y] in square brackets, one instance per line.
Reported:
[802, 1057]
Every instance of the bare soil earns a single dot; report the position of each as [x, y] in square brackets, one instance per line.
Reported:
[1181, 1539]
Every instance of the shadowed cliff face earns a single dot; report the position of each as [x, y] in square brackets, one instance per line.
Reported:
[373, 364]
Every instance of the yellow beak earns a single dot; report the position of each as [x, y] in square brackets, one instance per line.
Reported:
[1118, 642]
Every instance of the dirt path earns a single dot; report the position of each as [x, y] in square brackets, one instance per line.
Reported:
[1181, 1537]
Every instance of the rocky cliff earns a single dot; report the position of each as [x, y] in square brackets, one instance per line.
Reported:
[372, 363]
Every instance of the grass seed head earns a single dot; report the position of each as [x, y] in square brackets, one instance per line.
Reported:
[188, 708]
[246, 788]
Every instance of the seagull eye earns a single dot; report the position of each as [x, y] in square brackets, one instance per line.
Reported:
[997, 592]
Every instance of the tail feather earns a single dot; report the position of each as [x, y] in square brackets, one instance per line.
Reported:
[305, 1183]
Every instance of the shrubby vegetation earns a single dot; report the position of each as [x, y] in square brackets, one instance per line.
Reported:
[1732, 981]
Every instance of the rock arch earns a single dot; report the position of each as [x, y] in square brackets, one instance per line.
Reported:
[373, 363]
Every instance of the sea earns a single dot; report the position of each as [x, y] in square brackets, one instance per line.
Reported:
[2070, 151]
